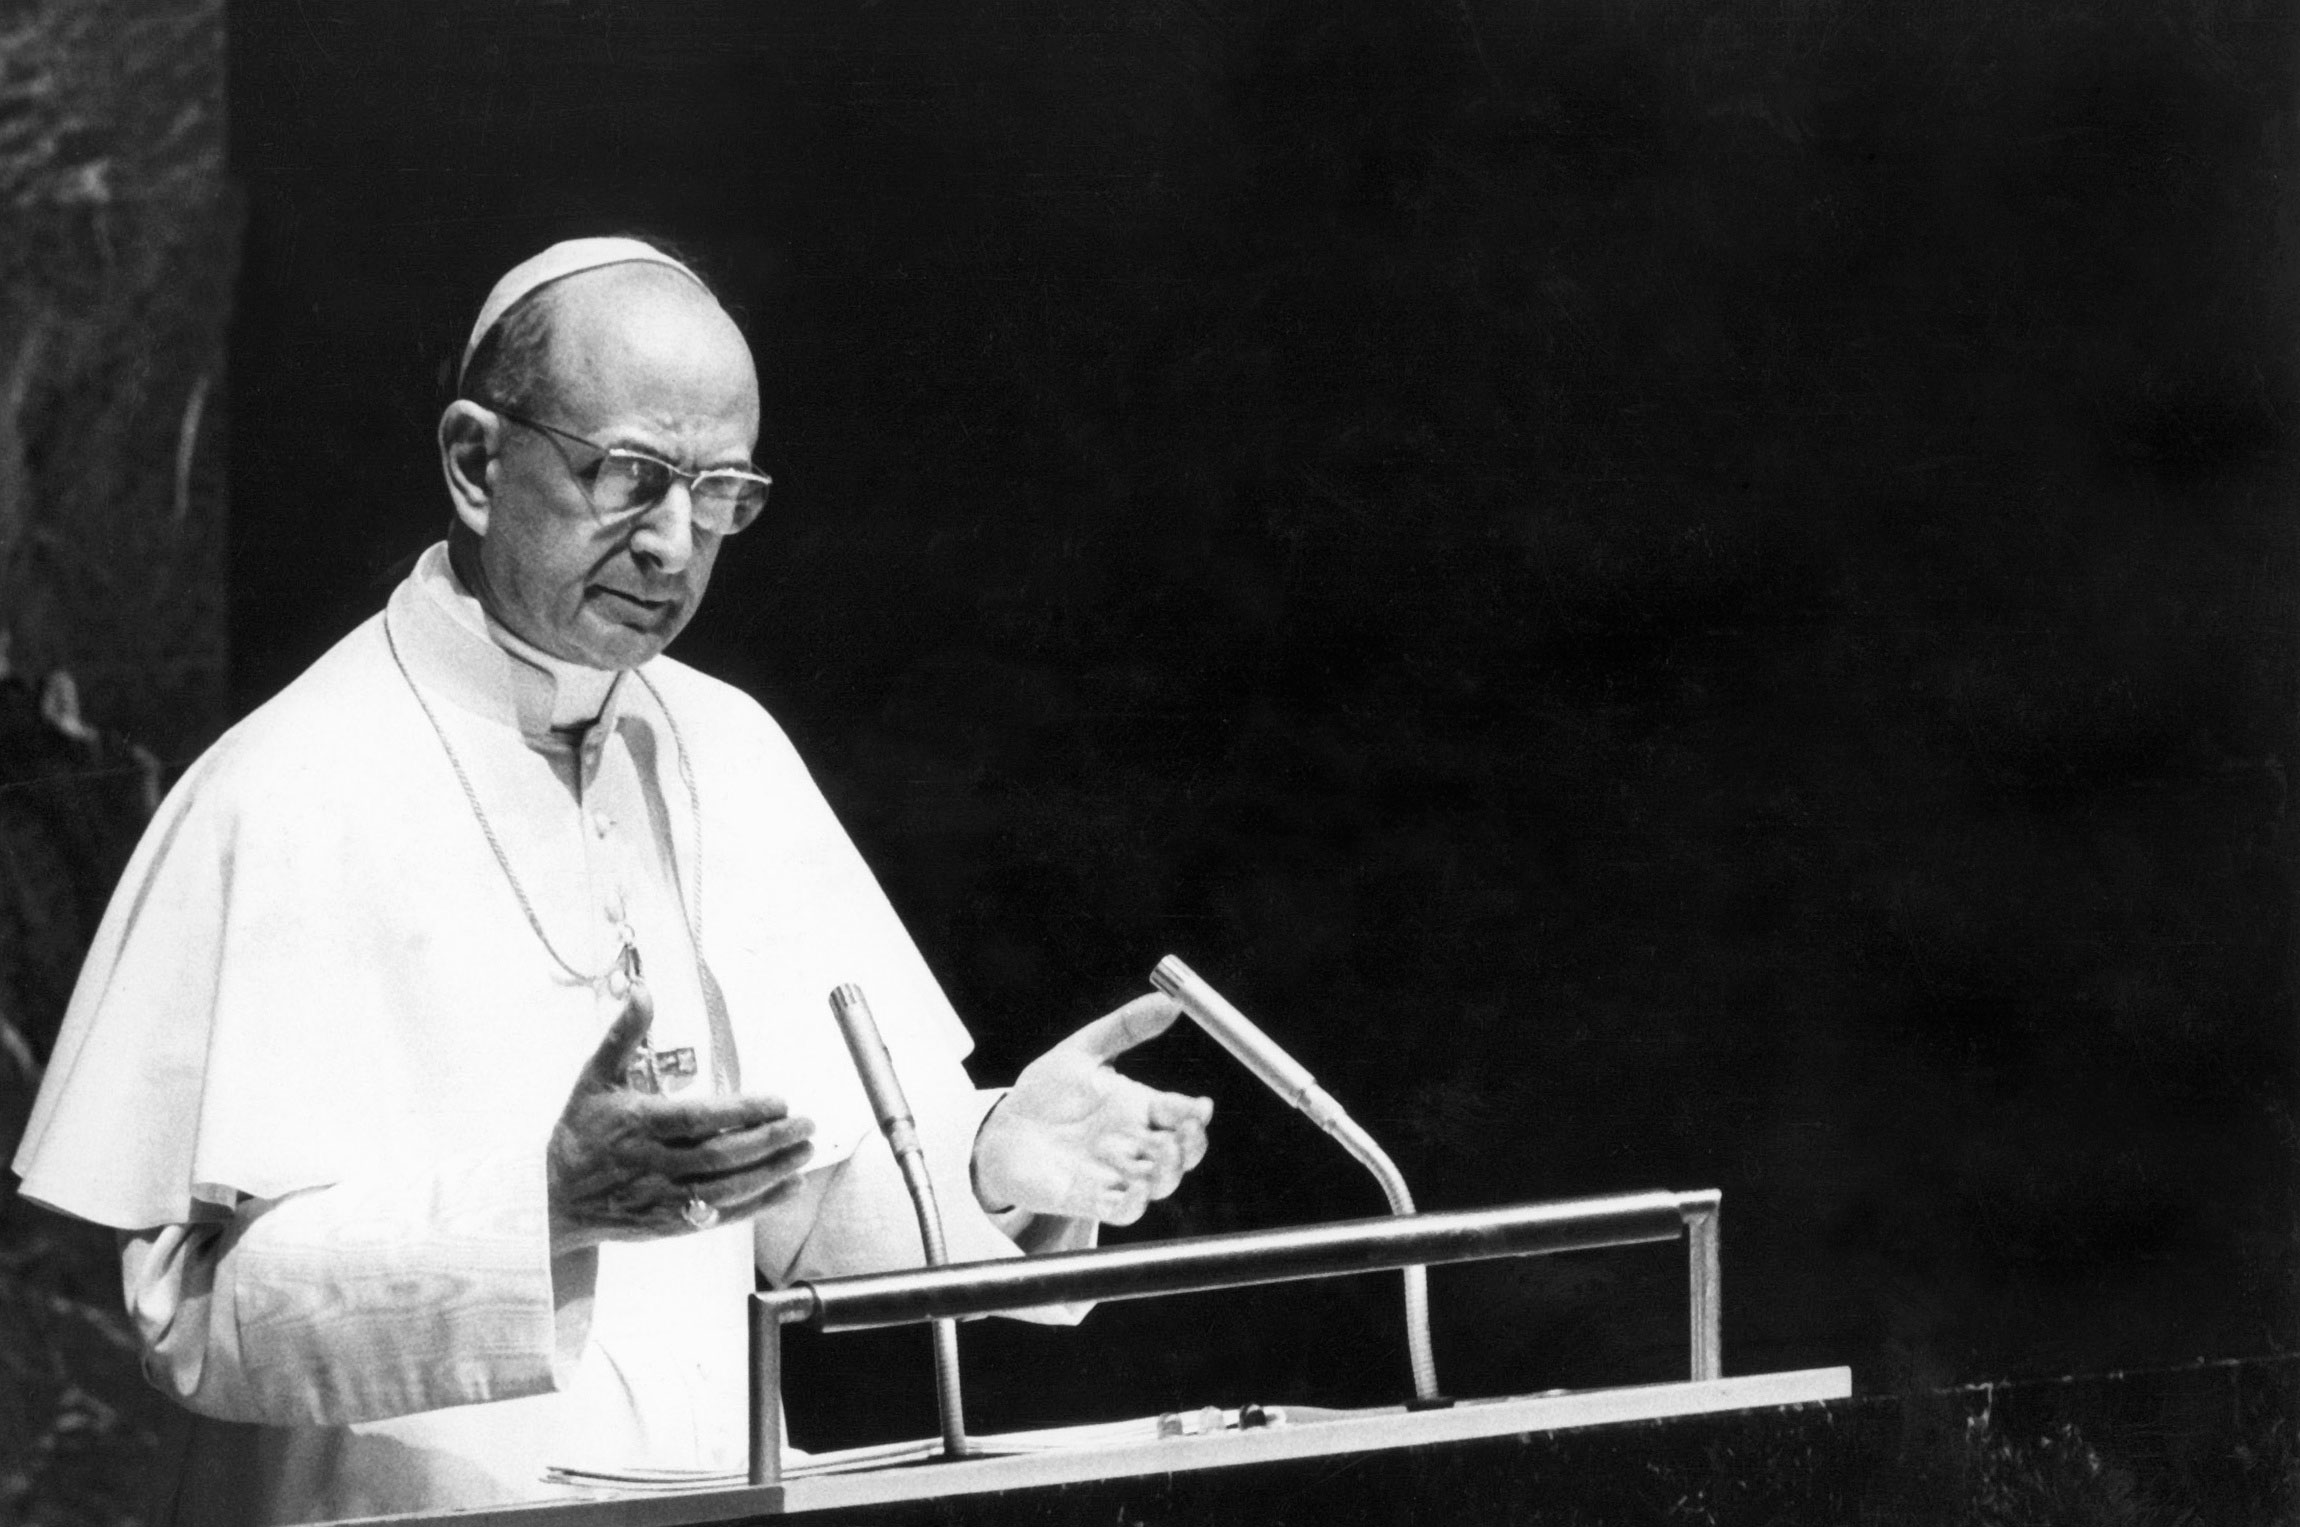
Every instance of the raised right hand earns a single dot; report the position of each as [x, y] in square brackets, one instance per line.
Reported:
[623, 1164]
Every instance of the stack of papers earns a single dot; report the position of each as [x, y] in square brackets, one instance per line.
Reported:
[882, 1455]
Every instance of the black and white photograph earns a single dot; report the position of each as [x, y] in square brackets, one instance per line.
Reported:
[1300, 763]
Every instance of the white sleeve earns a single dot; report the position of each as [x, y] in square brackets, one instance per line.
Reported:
[373, 1297]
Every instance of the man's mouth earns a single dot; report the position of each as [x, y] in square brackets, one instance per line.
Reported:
[617, 599]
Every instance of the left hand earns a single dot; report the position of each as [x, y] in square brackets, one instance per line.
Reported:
[1074, 1137]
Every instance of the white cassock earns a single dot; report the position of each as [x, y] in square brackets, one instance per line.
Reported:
[318, 1047]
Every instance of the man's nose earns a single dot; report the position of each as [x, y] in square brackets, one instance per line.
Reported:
[665, 537]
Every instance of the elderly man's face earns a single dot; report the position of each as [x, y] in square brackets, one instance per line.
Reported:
[640, 358]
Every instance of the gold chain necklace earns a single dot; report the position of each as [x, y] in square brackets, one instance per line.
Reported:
[626, 958]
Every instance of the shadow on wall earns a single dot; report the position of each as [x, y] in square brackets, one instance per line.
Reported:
[118, 241]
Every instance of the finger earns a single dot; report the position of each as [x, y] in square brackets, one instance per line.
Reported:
[1113, 1034]
[1164, 1151]
[742, 1150]
[1192, 1137]
[745, 1193]
[1187, 1119]
[735, 1193]
[699, 1118]
[1140, 1150]
[1170, 1110]
[1123, 1204]
[622, 1039]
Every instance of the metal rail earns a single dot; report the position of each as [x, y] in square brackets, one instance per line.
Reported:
[1231, 1261]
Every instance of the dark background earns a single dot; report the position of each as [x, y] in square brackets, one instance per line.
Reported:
[1672, 595]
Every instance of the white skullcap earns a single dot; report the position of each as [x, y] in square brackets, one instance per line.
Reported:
[561, 260]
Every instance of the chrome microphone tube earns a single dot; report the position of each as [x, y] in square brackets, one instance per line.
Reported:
[884, 1089]
[1291, 1080]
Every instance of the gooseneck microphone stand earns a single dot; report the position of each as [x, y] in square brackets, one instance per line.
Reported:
[1289, 1079]
[876, 1069]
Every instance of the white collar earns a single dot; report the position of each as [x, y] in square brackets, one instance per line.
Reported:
[497, 675]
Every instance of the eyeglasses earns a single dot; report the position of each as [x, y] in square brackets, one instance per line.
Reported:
[624, 483]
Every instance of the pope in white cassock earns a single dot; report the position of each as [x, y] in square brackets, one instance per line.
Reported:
[456, 1050]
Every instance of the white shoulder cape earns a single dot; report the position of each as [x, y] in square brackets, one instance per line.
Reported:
[313, 964]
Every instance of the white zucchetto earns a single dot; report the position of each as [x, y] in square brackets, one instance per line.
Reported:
[561, 260]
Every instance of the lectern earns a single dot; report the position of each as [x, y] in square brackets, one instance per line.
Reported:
[999, 1470]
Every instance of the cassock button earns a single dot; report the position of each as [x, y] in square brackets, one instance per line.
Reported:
[599, 823]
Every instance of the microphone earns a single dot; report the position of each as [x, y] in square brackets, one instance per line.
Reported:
[876, 1069]
[1291, 1080]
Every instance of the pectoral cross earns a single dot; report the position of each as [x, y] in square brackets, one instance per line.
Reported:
[650, 1069]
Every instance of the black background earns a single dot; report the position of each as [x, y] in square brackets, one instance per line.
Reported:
[1673, 595]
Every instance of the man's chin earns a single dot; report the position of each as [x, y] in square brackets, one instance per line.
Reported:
[614, 644]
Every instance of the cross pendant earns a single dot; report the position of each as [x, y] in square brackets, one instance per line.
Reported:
[650, 1070]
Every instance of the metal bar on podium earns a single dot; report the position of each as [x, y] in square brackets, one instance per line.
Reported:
[1705, 1295]
[1203, 1263]
[769, 1312]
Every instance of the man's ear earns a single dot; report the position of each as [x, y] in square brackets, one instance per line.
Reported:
[468, 435]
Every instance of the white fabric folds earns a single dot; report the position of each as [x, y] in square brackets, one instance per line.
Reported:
[314, 967]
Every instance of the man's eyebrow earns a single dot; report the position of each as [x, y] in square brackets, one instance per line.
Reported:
[640, 447]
